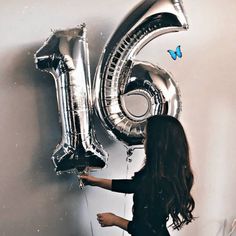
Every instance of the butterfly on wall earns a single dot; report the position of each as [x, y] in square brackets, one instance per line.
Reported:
[175, 54]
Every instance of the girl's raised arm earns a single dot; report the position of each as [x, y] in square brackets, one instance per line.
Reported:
[99, 182]
[116, 185]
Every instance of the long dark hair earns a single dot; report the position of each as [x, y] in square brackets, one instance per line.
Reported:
[167, 167]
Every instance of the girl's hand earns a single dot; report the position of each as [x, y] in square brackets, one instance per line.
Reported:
[106, 219]
[89, 180]
[93, 181]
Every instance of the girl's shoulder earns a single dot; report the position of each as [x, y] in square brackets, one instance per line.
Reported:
[139, 174]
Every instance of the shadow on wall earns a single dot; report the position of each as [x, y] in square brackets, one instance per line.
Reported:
[50, 131]
[41, 171]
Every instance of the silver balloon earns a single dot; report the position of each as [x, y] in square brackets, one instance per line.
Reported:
[65, 56]
[118, 75]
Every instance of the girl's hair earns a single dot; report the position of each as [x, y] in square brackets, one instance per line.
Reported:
[167, 168]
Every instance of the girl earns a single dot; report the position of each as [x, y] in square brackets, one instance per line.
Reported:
[161, 188]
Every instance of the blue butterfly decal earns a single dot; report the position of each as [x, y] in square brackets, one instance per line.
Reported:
[175, 54]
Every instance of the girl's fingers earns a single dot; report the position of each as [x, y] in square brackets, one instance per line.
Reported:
[83, 177]
[101, 223]
[100, 220]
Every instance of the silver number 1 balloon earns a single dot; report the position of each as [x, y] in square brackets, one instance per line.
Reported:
[119, 75]
[65, 56]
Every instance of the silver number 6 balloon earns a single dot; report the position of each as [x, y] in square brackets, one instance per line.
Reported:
[119, 75]
[65, 56]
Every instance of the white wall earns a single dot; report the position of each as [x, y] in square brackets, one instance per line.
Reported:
[34, 201]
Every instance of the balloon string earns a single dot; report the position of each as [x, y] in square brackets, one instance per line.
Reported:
[128, 160]
[124, 213]
[233, 227]
[90, 221]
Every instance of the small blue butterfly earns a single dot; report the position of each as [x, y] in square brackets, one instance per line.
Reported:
[175, 54]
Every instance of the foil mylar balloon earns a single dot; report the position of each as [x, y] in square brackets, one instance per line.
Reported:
[65, 56]
[119, 75]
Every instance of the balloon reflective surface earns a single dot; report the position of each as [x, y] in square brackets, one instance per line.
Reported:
[114, 76]
[154, 90]
[65, 56]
